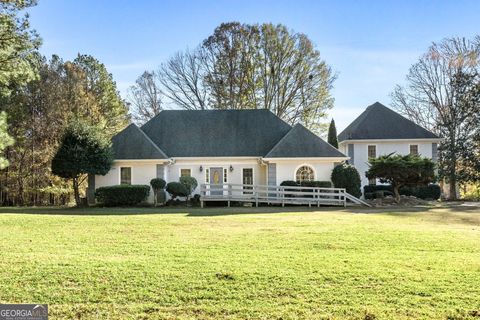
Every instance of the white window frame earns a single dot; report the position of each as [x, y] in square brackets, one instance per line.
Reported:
[418, 148]
[207, 175]
[376, 150]
[307, 165]
[180, 172]
[253, 174]
[120, 174]
[225, 173]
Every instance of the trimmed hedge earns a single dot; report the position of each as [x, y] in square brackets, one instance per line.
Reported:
[176, 189]
[122, 195]
[313, 184]
[290, 183]
[432, 191]
[346, 176]
[316, 184]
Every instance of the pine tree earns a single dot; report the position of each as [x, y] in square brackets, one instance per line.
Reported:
[332, 134]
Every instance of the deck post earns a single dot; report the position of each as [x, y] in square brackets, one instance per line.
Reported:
[318, 198]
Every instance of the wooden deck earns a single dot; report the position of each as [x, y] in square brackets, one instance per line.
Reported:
[257, 194]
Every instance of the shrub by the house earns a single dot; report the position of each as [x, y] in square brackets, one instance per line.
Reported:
[159, 194]
[190, 184]
[176, 189]
[346, 176]
[290, 183]
[401, 171]
[429, 192]
[314, 184]
[122, 195]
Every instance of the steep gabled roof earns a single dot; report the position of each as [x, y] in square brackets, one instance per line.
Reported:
[216, 133]
[380, 122]
[133, 143]
[300, 142]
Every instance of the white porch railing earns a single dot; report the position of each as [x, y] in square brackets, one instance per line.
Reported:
[272, 194]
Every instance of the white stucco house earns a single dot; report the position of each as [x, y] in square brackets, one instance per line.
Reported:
[218, 146]
[381, 131]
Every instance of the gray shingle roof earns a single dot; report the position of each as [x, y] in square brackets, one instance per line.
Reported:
[219, 133]
[380, 122]
[300, 142]
[216, 133]
[133, 143]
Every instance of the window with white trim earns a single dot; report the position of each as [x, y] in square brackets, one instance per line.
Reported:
[247, 179]
[414, 149]
[304, 173]
[372, 151]
[125, 175]
[185, 172]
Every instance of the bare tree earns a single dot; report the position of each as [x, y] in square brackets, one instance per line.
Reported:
[296, 82]
[432, 98]
[182, 80]
[145, 98]
[231, 62]
[243, 66]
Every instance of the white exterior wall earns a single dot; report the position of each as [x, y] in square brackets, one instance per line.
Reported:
[142, 173]
[235, 176]
[383, 147]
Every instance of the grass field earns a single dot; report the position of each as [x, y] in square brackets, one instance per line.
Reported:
[243, 263]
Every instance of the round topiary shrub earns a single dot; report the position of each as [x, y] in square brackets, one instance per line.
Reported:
[176, 189]
[190, 184]
[346, 176]
[157, 184]
[158, 193]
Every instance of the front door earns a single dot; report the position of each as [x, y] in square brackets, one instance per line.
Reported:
[216, 181]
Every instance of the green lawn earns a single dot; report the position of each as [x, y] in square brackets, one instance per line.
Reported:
[243, 263]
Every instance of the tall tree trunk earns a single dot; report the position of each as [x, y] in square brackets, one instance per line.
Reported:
[396, 192]
[452, 194]
[76, 192]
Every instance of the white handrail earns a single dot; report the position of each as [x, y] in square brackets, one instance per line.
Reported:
[272, 194]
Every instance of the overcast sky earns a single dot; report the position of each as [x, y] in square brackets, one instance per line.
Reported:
[369, 44]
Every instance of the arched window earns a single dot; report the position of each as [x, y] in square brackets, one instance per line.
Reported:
[304, 173]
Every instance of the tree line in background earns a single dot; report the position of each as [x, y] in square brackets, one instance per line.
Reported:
[41, 98]
[242, 66]
[442, 94]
